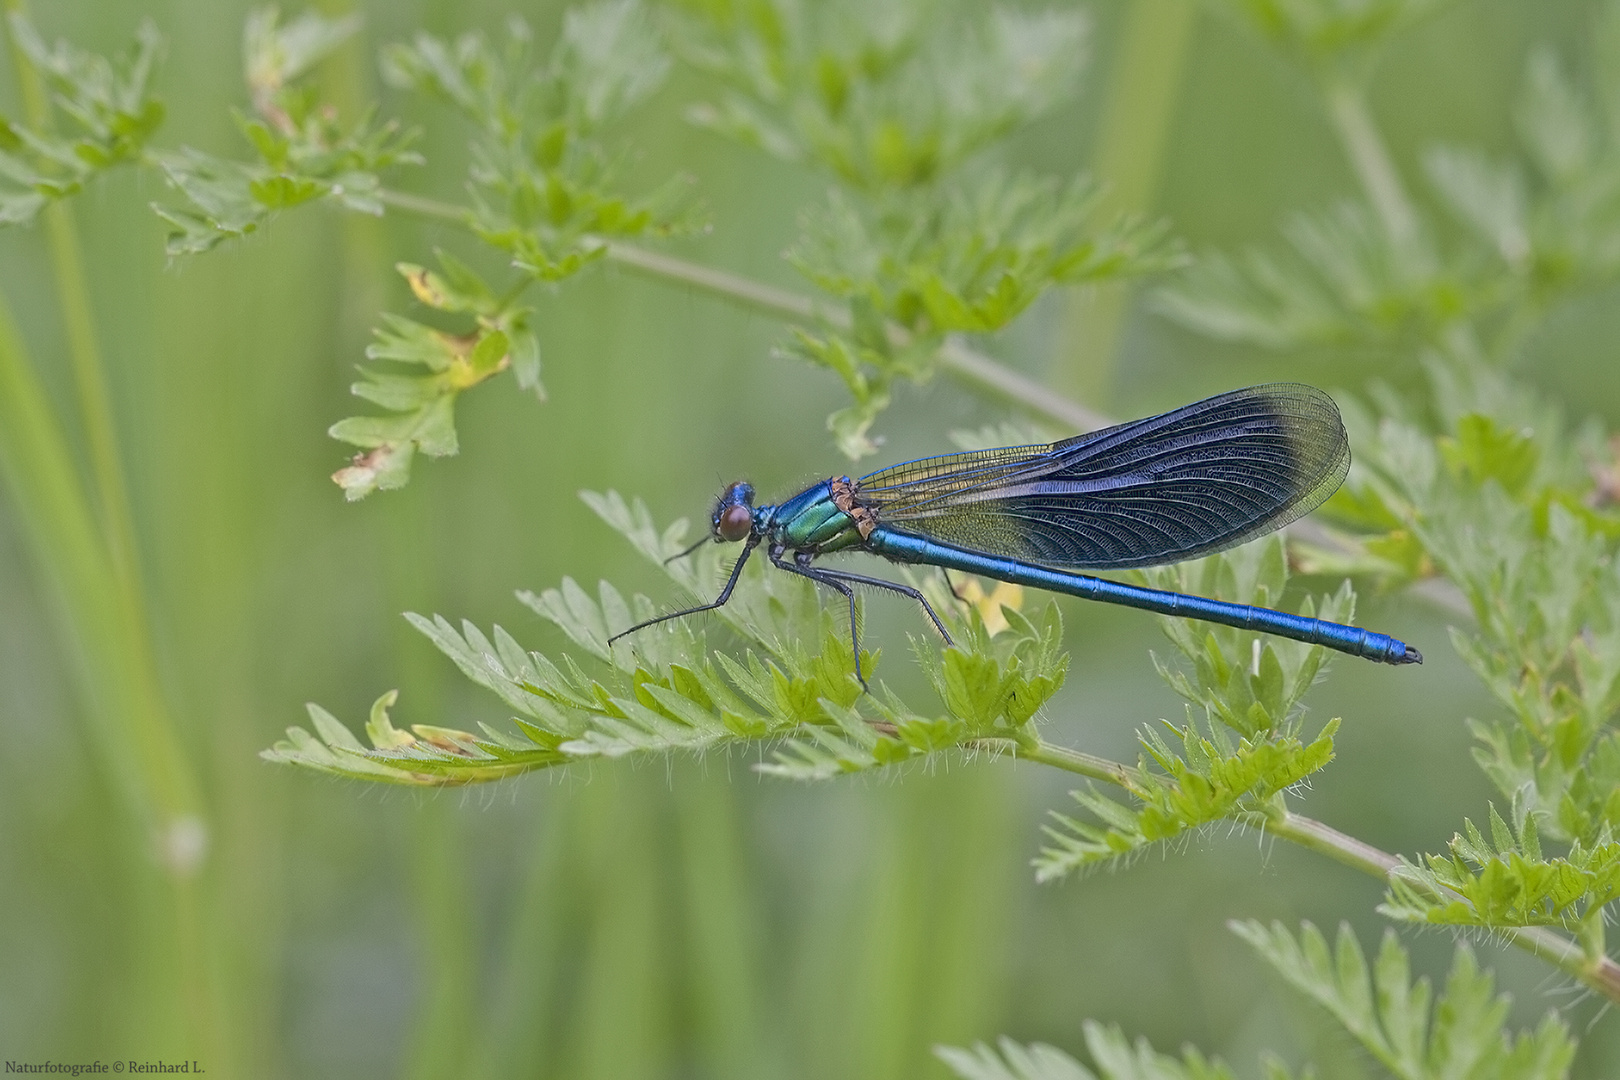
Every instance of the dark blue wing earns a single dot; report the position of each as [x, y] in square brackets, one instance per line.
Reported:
[1196, 480]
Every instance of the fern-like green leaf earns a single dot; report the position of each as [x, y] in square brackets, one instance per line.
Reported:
[1242, 744]
[662, 690]
[1541, 581]
[884, 97]
[1390, 1014]
[1506, 881]
[546, 187]
[967, 257]
[109, 104]
[1211, 779]
[1116, 1058]
[304, 153]
[423, 402]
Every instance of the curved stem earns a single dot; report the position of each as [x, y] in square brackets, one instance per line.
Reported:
[1600, 973]
[1061, 757]
[422, 206]
[967, 366]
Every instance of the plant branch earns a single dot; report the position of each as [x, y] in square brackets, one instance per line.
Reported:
[966, 365]
[423, 207]
[1061, 757]
[1600, 973]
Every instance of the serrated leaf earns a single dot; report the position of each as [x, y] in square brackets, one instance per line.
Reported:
[1389, 1014]
[662, 690]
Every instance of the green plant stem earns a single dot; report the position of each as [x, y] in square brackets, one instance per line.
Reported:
[90, 385]
[1364, 147]
[424, 207]
[89, 375]
[1598, 972]
[107, 609]
[1061, 757]
[104, 636]
[86, 548]
[972, 369]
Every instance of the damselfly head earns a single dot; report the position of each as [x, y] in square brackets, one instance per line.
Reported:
[734, 512]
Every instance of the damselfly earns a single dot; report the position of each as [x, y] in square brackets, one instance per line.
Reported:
[1190, 482]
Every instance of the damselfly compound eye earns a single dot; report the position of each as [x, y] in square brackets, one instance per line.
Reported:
[734, 522]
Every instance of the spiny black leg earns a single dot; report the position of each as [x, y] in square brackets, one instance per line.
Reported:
[720, 601]
[951, 585]
[684, 554]
[892, 586]
[821, 577]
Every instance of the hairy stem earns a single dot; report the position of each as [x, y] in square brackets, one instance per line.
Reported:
[1600, 973]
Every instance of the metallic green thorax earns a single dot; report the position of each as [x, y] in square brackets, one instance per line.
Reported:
[810, 521]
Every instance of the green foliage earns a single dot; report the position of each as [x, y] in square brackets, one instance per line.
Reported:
[1539, 578]
[1246, 749]
[918, 265]
[545, 185]
[662, 689]
[1251, 683]
[304, 153]
[423, 404]
[545, 195]
[1390, 1014]
[1508, 506]
[1332, 33]
[883, 96]
[1484, 486]
[968, 260]
[1506, 881]
[894, 101]
[1547, 223]
[915, 266]
[1533, 232]
[1347, 285]
[109, 102]
[1211, 778]
[1115, 1056]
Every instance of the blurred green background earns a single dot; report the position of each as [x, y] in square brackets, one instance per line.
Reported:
[679, 919]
